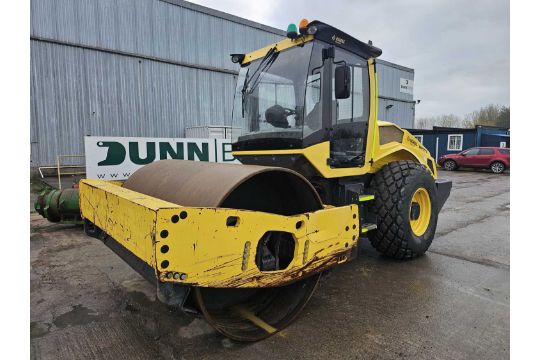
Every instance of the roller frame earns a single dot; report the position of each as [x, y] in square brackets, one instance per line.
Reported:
[203, 250]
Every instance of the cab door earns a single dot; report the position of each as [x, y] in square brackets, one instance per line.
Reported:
[349, 116]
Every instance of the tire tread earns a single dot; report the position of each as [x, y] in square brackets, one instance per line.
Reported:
[390, 238]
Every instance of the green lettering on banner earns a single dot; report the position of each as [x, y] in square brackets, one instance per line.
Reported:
[135, 156]
[226, 148]
[193, 149]
[116, 153]
[165, 149]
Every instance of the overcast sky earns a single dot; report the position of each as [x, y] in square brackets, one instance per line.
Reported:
[459, 49]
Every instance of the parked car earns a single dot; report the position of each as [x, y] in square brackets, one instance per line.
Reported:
[496, 159]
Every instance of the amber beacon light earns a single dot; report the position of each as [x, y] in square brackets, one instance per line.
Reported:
[302, 26]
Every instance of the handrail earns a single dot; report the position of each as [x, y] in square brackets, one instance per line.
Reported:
[40, 168]
[58, 168]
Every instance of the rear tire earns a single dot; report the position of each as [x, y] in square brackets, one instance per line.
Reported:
[450, 165]
[406, 208]
[497, 167]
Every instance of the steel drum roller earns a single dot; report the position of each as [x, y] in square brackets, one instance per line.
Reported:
[241, 314]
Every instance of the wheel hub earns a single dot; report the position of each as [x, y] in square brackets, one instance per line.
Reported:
[497, 167]
[415, 211]
[420, 211]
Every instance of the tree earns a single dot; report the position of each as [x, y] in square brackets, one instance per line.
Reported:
[423, 123]
[487, 115]
[503, 120]
[447, 120]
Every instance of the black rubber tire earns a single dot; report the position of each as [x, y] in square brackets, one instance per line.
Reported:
[393, 187]
[450, 167]
[500, 169]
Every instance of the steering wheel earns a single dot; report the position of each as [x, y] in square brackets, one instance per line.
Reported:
[289, 111]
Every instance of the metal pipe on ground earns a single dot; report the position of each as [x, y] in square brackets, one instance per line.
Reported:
[59, 206]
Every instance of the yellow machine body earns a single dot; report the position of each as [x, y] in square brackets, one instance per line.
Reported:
[386, 142]
[245, 245]
[203, 251]
[199, 249]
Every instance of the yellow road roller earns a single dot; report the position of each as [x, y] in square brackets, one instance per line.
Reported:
[244, 245]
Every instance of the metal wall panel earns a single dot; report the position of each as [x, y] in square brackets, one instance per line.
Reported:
[389, 76]
[401, 113]
[148, 27]
[77, 92]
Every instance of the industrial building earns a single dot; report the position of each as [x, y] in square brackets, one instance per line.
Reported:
[149, 68]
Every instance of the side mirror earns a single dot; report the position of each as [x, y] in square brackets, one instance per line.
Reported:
[342, 82]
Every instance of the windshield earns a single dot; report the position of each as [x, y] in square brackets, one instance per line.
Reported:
[270, 94]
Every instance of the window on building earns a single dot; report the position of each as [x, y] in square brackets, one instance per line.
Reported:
[420, 138]
[486, 152]
[455, 142]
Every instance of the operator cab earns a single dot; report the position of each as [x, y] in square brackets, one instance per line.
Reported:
[304, 91]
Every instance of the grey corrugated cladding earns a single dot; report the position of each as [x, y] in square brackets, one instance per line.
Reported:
[389, 76]
[149, 27]
[401, 111]
[136, 68]
[84, 92]
[123, 68]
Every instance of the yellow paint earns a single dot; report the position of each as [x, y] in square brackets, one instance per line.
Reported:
[210, 254]
[204, 248]
[376, 155]
[280, 45]
[248, 315]
[123, 214]
[366, 198]
[420, 225]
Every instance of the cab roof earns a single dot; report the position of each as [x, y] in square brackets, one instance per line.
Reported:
[325, 33]
[331, 35]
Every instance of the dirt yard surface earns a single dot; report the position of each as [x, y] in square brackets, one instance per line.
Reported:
[453, 303]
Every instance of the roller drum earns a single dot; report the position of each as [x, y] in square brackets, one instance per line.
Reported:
[250, 187]
[240, 314]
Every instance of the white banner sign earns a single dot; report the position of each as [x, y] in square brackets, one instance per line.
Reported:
[116, 158]
[406, 86]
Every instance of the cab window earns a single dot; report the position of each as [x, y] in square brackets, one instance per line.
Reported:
[356, 107]
[313, 98]
[350, 115]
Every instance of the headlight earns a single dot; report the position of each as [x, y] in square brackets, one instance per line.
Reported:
[237, 58]
[312, 30]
